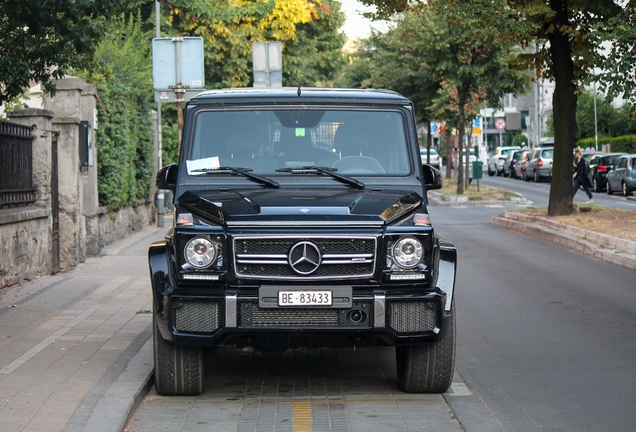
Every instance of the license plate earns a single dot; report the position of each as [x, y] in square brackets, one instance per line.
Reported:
[305, 298]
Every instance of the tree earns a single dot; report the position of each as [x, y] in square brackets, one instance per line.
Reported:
[230, 30]
[567, 50]
[611, 121]
[568, 46]
[122, 72]
[41, 41]
[460, 52]
[314, 57]
[617, 66]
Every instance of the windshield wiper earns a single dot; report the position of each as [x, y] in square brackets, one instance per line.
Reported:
[329, 171]
[242, 171]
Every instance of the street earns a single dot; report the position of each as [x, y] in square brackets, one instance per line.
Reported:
[545, 342]
[545, 334]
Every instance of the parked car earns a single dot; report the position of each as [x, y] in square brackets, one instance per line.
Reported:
[472, 157]
[279, 244]
[598, 167]
[435, 160]
[623, 176]
[539, 165]
[509, 163]
[520, 165]
[495, 162]
[588, 154]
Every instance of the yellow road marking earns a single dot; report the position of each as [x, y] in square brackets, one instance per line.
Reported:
[302, 416]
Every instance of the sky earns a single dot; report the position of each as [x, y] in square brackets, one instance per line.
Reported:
[356, 26]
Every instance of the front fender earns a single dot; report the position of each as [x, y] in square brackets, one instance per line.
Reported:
[447, 270]
[159, 262]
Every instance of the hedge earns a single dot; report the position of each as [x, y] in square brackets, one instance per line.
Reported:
[623, 144]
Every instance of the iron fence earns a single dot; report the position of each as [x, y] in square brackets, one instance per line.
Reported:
[16, 165]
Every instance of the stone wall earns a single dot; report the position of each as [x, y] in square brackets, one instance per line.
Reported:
[25, 245]
[84, 227]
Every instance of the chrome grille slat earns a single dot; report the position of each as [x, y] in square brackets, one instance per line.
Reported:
[267, 257]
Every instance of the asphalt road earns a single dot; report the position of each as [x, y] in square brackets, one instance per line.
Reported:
[545, 334]
[545, 341]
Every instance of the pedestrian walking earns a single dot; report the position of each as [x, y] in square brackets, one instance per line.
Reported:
[580, 176]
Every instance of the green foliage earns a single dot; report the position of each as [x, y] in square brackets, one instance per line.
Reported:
[611, 121]
[308, 30]
[617, 67]
[45, 39]
[520, 140]
[315, 56]
[625, 143]
[123, 75]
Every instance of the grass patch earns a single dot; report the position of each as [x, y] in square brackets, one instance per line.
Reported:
[605, 220]
[485, 193]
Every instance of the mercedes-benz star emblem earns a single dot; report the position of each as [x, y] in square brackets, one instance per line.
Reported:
[304, 257]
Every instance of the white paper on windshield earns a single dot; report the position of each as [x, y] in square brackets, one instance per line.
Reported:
[202, 164]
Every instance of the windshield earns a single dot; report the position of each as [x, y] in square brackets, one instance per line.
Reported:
[265, 140]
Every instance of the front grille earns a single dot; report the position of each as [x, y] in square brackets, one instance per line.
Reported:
[196, 316]
[253, 316]
[338, 257]
[413, 317]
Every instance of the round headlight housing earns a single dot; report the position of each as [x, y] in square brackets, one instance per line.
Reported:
[408, 252]
[200, 252]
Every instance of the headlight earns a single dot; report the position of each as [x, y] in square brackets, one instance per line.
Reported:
[408, 252]
[200, 252]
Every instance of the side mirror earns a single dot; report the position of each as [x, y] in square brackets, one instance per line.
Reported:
[167, 177]
[432, 177]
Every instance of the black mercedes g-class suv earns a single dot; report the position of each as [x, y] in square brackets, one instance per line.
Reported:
[301, 221]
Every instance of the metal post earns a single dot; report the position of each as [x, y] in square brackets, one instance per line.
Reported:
[159, 136]
[595, 121]
[160, 196]
[161, 207]
[179, 89]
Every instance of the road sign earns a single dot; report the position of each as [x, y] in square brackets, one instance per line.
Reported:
[177, 61]
[500, 124]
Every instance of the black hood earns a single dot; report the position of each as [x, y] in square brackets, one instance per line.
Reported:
[301, 205]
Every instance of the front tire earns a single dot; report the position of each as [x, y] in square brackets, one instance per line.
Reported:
[427, 368]
[609, 188]
[179, 369]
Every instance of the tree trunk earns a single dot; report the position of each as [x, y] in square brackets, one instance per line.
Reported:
[564, 109]
[449, 154]
[460, 146]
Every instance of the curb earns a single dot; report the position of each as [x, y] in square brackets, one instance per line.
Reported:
[439, 199]
[615, 250]
[124, 396]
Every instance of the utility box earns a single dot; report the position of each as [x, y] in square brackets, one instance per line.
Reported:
[477, 170]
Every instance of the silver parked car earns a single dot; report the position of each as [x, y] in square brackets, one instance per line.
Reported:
[539, 165]
[496, 161]
[435, 161]
[623, 176]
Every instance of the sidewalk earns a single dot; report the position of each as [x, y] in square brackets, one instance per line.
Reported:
[75, 348]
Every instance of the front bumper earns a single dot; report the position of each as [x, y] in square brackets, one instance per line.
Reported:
[200, 314]
[235, 318]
